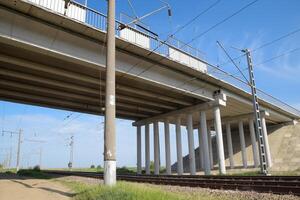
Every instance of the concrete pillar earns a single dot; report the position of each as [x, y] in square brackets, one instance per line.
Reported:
[243, 145]
[201, 159]
[211, 158]
[179, 147]
[219, 137]
[266, 140]
[147, 149]
[156, 147]
[139, 149]
[190, 131]
[167, 147]
[253, 141]
[229, 145]
[205, 147]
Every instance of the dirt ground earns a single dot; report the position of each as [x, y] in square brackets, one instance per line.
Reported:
[13, 187]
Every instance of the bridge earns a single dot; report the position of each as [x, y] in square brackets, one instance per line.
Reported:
[55, 57]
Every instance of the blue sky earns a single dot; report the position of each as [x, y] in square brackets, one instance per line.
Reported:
[260, 23]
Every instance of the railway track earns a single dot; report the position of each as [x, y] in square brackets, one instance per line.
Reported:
[267, 184]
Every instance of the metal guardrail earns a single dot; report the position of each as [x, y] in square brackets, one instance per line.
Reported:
[191, 55]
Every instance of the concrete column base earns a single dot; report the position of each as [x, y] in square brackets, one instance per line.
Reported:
[110, 167]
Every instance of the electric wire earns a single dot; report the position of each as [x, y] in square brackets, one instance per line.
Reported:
[212, 27]
[266, 44]
[237, 67]
[170, 36]
[273, 58]
[221, 22]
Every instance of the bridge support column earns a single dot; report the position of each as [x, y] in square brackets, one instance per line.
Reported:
[229, 145]
[211, 158]
[253, 141]
[219, 136]
[139, 149]
[156, 147]
[179, 147]
[147, 149]
[190, 131]
[266, 141]
[204, 144]
[243, 145]
[167, 147]
[201, 156]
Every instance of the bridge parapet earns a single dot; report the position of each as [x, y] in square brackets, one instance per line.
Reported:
[171, 48]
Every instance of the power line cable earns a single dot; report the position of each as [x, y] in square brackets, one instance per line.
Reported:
[172, 35]
[238, 68]
[222, 21]
[266, 44]
[132, 9]
[274, 58]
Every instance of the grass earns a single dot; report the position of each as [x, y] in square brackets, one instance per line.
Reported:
[133, 191]
[13, 170]
[122, 191]
[273, 173]
[33, 173]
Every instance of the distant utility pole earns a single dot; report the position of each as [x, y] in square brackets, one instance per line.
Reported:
[19, 150]
[110, 101]
[258, 122]
[10, 157]
[19, 133]
[70, 165]
[40, 157]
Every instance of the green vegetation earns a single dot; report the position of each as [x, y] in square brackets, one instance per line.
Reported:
[123, 191]
[248, 173]
[34, 173]
[135, 191]
[274, 173]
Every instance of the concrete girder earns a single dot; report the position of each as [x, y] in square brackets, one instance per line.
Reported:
[60, 104]
[71, 87]
[41, 69]
[65, 95]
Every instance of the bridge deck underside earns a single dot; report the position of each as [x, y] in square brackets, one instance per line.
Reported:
[36, 79]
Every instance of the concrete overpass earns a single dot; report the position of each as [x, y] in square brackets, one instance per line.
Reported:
[56, 59]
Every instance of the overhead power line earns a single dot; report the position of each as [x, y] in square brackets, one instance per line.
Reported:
[237, 67]
[266, 44]
[195, 18]
[222, 21]
[227, 18]
[278, 56]
[273, 58]
[172, 35]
